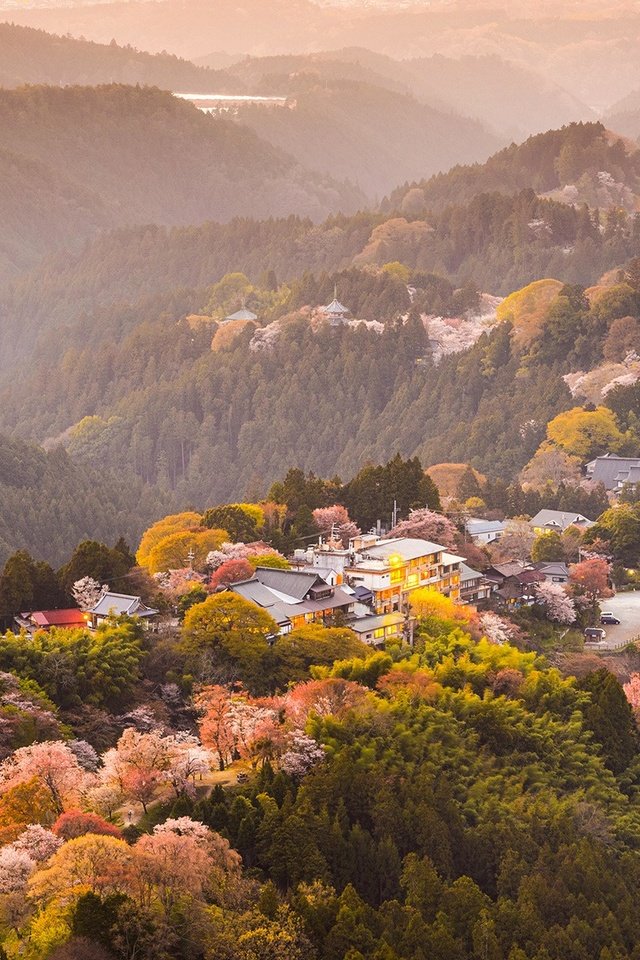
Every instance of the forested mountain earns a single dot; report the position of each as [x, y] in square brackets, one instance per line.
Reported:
[502, 242]
[509, 99]
[138, 386]
[49, 503]
[33, 56]
[103, 156]
[336, 124]
[569, 159]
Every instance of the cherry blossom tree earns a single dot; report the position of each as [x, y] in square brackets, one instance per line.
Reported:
[426, 524]
[559, 607]
[216, 729]
[187, 759]
[335, 520]
[137, 764]
[255, 726]
[231, 571]
[76, 823]
[233, 723]
[497, 629]
[331, 697]
[172, 864]
[219, 850]
[301, 755]
[104, 797]
[591, 577]
[53, 764]
[37, 842]
[85, 755]
[16, 866]
[632, 692]
[515, 543]
[87, 592]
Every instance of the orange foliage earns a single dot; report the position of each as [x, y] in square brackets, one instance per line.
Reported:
[447, 476]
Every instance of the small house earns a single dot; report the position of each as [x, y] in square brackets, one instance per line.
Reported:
[121, 605]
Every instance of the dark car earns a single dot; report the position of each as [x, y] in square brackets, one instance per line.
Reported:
[609, 618]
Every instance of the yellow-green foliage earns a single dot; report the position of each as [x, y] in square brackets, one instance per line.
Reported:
[585, 433]
[527, 308]
[171, 553]
[175, 523]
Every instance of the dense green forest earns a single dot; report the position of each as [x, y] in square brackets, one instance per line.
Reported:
[213, 425]
[96, 157]
[49, 502]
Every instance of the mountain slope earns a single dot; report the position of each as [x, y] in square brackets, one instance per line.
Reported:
[573, 155]
[48, 503]
[592, 55]
[33, 56]
[116, 155]
[336, 126]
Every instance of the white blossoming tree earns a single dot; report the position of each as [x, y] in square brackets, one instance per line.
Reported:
[559, 607]
[87, 592]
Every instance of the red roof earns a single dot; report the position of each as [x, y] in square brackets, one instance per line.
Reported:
[57, 618]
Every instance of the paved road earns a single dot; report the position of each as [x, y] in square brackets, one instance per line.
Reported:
[626, 607]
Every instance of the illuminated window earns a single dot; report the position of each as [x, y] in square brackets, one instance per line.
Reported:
[397, 576]
[379, 633]
[412, 580]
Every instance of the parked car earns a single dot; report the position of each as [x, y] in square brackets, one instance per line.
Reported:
[608, 617]
[594, 634]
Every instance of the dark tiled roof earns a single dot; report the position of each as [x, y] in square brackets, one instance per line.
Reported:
[613, 472]
[294, 583]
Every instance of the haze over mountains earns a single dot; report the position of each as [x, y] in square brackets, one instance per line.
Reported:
[590, 51]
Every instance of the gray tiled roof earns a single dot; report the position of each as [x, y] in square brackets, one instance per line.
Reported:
[295, 583]
[613, 472]
[281, 610]
[119, 604]
[468, 573]
[477, 527]
[243, 314]
[559, 519]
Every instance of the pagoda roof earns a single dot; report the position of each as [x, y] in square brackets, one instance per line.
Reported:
[335, 307]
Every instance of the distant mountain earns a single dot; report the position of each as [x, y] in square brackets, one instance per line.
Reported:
[509, 99]
[591, 54]
[578, 163]
[373, 137]
[624, 115]
[83, 158]
[33, 56]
